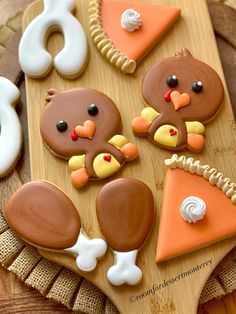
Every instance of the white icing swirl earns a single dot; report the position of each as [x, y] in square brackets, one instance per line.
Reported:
[130, 20]
[193, 209]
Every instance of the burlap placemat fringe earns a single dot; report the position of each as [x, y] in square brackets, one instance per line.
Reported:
[228, 278]
[70, 289]
[89, 299]
[66, 296]
[3, 223]
[212, 289]
[110, 308]
[9, 248]
[25, 262]
[43, 276]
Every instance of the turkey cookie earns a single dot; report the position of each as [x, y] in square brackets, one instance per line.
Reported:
[34, 58]
[45, 217]
[125, 211]
[10, 128]
[183, 93]
[82, 125]
[196, 213]
[125, 31]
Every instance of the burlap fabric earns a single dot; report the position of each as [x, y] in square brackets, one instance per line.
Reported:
[63, 286]
[49, 278]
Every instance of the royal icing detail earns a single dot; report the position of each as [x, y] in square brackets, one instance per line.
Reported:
[91, 142]
[105, 165]
[45, 217]
[34, 58]
[167, 135]
[179, 100]
[124, 271]
[10, 128]
[178, 103]
[149, 114]
[195, 127]
[88, 251]
[87, 130]
[125, 212]
[193, 209]
[211, 174]
[140, 125]
[131, 20]
[124, 32]
[76, 162]
[198, 208]
[197, 87]
[118, 141]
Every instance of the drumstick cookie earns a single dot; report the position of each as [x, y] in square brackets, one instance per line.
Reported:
[10, 128]
[125, 211]
[82, 125]
[34, 58]
[42, 215]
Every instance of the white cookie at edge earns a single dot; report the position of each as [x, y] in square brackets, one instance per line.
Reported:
[11, 134]
[35, 60]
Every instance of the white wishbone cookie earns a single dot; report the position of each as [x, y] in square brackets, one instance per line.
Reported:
[11, 134]
[35, 60]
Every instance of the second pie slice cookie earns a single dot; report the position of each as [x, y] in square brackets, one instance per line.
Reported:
[198, 208]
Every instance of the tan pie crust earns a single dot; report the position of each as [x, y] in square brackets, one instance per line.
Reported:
[211, 174]
[105, 44]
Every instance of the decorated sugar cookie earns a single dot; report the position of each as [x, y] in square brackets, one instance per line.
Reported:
[183, 94]
[34, 58]
[198, 208]
[82, 125]
[125, 31]
[125, 211]
[45, 217]
[10, 128]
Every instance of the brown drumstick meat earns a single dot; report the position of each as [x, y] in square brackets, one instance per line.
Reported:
[125, 211]
[42, 215]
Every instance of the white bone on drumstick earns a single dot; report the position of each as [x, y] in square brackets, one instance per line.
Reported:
[124, 271]
[11, 134]
[35, 60]
[88, 251]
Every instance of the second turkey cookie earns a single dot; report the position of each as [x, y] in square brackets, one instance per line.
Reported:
[82, 125]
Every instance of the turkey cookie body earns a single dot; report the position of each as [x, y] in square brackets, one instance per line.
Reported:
[44, 216]
[183, 93]
[81, 125]
[125, 211]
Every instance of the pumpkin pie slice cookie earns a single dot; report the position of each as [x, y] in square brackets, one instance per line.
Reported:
[198, 208]
[125, 31]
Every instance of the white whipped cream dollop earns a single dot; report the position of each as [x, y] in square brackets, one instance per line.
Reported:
[193, 209]
[130, 20]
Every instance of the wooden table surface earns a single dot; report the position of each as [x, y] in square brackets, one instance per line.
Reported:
[15, 297]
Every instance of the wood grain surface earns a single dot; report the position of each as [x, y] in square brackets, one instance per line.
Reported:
[220, 143]
[14, 296]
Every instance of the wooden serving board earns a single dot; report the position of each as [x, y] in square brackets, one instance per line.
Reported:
[193, 31]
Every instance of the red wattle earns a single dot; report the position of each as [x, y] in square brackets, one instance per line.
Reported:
[74, 136]
[167, 95]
